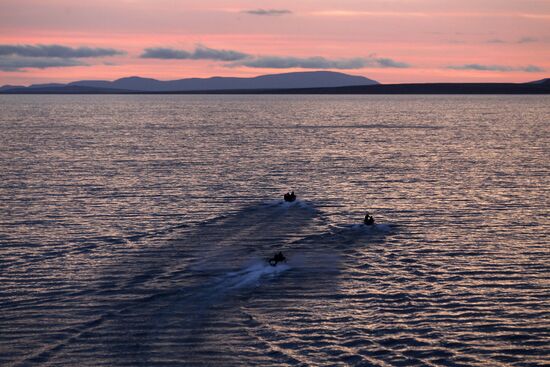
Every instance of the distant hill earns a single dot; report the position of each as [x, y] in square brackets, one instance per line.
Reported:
[63, 89]
[314, 79]
[7, 86]
[48, 85]
[425, 88]
[311, 79]
[545, 81]
[317, 82]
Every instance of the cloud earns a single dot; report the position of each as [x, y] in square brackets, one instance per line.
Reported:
[17, 63]
[501, 68]
[268, 12]
[237, 58]
[318, 62]
[18, 57]
[200, 53]
[389, 63]
[533, 69]
[56, 51]
[165, 53]
[527, 40]
[520, 41]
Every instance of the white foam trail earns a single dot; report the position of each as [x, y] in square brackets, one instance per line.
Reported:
[296, 203]
[252, 275]
[372, 228]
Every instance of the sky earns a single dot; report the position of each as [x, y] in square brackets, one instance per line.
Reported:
[391, 41]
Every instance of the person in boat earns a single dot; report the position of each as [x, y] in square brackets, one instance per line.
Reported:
[289, 196]
[277, 258]
[369, 220]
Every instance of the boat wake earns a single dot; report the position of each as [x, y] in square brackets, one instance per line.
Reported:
[201, 277]
[252, 275]
[381, 228]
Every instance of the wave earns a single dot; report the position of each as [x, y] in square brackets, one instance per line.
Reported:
[251, 275]
[254, 231]
[375, 228]
[200, 276]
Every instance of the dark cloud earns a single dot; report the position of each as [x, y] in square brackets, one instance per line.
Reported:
[502, 68]
[389, 63]
[18, 63]
[200, 53]
[165, 53]
[237, 58]
[268, 12]
[58, 51]
[318, 62]
[18, 57]
[527, 40]
[521, 40]
[533, 69]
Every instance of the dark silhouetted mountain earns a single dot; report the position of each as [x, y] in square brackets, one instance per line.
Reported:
[33, 86]
[47, 85]
[542, 81]
[426, 88]
[288, 83]
[65, 89]
[312, 79]
[7, 86]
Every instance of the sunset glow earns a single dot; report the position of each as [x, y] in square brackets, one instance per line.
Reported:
[395, 41]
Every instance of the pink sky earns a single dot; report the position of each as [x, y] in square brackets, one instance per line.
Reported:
[392, 41]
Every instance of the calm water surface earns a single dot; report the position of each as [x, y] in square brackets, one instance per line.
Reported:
[134, 230]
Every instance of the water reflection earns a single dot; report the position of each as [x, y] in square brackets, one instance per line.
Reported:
[134, 230]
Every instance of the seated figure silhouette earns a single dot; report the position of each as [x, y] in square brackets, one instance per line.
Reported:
[289, 196]
[369, 220]
[277, 258]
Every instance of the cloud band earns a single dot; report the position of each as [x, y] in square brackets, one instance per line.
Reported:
[500, 68]
[268, 12]
[237, 58]
[56, 51]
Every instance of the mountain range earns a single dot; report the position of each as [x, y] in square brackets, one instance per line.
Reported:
[314, 82]
[315, 79]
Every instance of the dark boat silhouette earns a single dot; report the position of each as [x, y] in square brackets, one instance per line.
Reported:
[277, 258]
[289, 196]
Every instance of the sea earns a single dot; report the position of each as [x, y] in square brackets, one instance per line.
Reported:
[135, 230]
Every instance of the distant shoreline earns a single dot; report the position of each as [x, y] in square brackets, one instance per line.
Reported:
[420, 88]
[310, 82]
